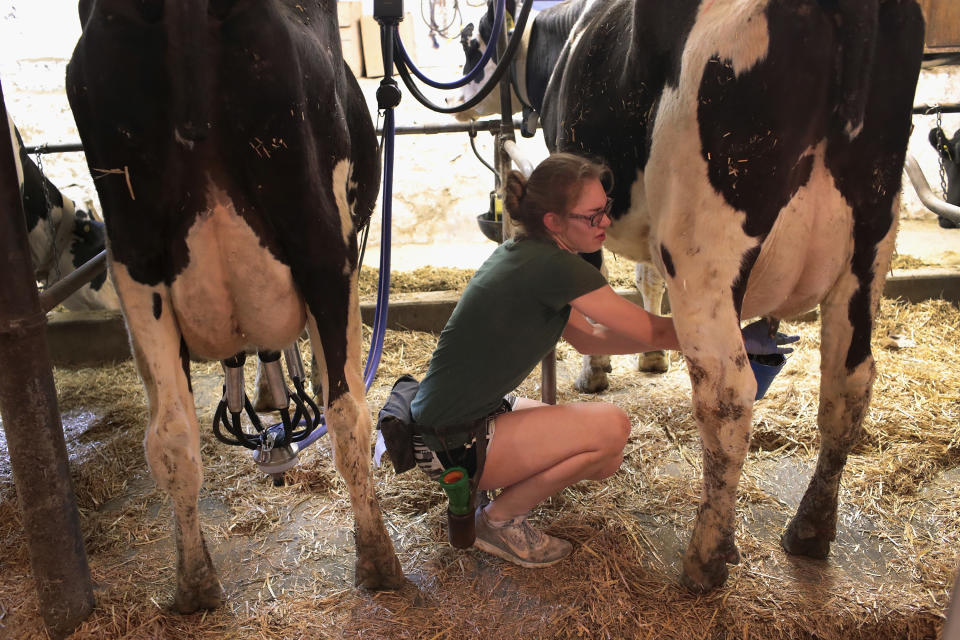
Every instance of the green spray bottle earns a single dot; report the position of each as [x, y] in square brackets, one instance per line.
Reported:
[461, 528]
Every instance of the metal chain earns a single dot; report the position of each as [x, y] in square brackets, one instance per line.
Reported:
[943, 171]
[51, 225]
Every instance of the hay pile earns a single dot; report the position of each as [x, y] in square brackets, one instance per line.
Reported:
[285, 555]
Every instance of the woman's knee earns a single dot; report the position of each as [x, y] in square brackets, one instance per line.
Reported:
[614, 434]
[616, 430]
[608, 467]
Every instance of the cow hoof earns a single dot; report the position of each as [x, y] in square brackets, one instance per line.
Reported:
[947, 224]
[812, 546]
[705, 577]
[592, 382]
[653, 362]
[377, 576]
[699, 576]
[200, 596]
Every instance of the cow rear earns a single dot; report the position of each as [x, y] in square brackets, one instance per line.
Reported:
[235, 160]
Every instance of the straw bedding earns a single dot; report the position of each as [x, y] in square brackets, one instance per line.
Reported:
[285, 555]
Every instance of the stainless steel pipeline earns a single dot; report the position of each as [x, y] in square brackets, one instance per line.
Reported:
[940, 207]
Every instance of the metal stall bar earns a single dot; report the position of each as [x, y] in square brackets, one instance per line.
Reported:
[63, 289]
[927, 109]
[31, 421]
[409, 129]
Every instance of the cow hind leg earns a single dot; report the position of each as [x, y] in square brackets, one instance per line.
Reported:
[844, 398]
[650, 284]
[172, 440]
[337, 349]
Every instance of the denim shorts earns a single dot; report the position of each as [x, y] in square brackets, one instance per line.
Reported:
[434, 463]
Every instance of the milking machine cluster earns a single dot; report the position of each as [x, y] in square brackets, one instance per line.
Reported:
[274, 447]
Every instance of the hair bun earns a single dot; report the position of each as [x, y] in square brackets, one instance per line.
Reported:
[515, 189]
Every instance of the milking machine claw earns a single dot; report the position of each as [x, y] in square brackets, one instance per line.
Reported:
[275, 448]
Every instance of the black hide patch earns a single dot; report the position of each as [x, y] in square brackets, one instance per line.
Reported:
[756, 127]
[667, 261]
[871, 187]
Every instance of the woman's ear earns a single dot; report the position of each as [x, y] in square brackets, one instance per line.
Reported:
[554, 222]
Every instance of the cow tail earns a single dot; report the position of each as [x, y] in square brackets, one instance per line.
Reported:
[858, 24]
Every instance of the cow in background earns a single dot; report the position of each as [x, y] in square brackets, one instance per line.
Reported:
[243, 162]
[757, 148]
[62, 237]
[949, 151]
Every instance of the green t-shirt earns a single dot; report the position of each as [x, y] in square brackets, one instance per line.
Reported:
[511, 314]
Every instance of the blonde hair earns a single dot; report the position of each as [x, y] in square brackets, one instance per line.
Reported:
[554, 186]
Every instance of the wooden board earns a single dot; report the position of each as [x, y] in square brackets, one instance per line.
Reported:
[370, 40]
[943, 24]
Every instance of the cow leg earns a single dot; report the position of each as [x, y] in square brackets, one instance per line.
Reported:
[650, 284]
[594, 368]
[336, 341]
[723, 391]
[316, 381]
[172, 440]
[593, 374]
[847, 373]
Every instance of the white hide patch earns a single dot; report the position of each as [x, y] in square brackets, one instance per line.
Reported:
[156, 340]
[233, 293]
[342, 175]
[806, 251]
[489, 105]
[670, 195]
[629, 236]
[736, 31]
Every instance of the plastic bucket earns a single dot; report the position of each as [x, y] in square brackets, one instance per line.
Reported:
[766, 371]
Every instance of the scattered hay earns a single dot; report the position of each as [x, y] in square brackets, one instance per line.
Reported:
[620, 274]
[902, 261]
[285, 555]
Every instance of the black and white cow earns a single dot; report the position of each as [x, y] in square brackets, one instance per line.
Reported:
[242, 161]
[62, 237]
[949, 151]
[757, 148]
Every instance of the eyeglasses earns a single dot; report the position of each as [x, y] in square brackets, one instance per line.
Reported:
[594, 218]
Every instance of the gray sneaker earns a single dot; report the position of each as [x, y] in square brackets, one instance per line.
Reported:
[519, 542]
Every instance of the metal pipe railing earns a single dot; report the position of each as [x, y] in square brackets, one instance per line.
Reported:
[64, 288]
[493, 125]
[930, 109]
[940, 207]
[523, 163]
